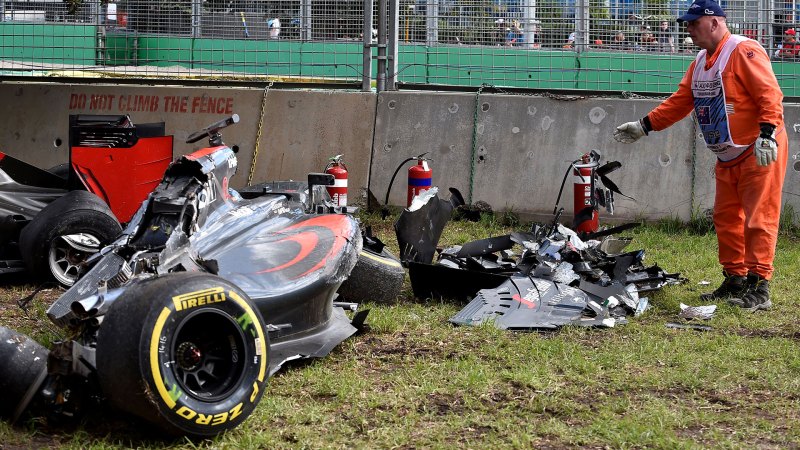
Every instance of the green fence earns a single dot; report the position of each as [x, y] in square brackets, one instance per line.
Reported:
[52, 47]
[51, 44]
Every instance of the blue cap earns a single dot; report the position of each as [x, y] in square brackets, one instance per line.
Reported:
[701, 8]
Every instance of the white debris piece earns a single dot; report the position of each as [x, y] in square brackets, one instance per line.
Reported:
[697, 312]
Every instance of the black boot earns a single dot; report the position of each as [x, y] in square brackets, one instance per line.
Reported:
[732, 286]
[756, 296]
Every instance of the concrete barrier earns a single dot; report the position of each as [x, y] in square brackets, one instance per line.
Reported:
[512, 153]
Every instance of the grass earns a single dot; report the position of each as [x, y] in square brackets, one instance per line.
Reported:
[415, 381]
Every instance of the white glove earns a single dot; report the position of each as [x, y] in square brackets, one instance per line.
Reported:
[630, 132]
[765, 149]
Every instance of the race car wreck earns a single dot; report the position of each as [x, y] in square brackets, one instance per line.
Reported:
[557, 279]
[207, 292]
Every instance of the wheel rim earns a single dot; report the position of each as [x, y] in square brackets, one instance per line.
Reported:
[68, 253]
[208, 355]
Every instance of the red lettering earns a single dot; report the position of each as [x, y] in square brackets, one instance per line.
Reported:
[77, 101]
[211, 105]
[101, 102]
[175, 104]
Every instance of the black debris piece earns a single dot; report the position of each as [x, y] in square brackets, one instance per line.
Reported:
[554, 279]
[420, 226]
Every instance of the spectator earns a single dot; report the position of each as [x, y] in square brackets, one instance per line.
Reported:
[789, 48]
[666, 42]
[647, 41]
[514, 34]
[499, 35]
[570, 41]
[688, 45]
[274, 26]
[619, 42]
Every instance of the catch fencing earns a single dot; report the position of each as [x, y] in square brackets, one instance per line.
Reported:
[616, 45]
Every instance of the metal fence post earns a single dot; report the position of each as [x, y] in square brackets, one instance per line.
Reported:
[366, 76]
[97, 13]
[305, 17]
[767, 19]
[196, 11]
[392, 40]
[432, 22]
[381, 82]
[582, 26]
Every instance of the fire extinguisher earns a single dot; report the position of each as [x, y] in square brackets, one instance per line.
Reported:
[584, 204]
[419, 179]
[338, 191]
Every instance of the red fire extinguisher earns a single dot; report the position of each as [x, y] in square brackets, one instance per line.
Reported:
[419, 179]
[586, 220]
[338, 191]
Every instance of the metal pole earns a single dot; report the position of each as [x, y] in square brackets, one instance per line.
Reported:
[392, 45]
[381, 84]
[98, 13]
[582, 26]
[432, 22]
[305, 18]
[196, 11]
[774, 39]
[530, 24]
[366, 76]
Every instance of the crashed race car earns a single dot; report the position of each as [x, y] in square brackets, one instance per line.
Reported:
[52, 220]
[206, 293]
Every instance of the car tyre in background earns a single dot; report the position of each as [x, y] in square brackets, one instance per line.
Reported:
[57, 242]
[377, 277]
[185, 351]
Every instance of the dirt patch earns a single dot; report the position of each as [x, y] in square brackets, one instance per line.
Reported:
[442, 404]
[769, 334]
[403, 345]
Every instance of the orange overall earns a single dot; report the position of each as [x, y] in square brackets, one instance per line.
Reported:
[748, 197]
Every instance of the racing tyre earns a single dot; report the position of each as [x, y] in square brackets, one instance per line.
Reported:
[377, 277]
[62, 236]
[185, 351]
[23, 368]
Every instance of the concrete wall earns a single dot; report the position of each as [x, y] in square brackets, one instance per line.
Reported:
[512, 154]
[300, 129]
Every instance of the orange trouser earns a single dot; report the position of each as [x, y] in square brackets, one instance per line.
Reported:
[747, 210]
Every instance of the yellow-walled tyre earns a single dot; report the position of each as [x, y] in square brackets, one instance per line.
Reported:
[186, 351]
